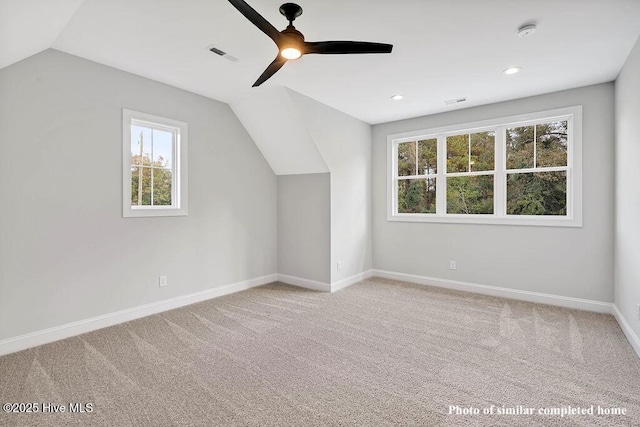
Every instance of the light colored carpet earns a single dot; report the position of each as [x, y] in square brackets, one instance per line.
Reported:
[377, 353]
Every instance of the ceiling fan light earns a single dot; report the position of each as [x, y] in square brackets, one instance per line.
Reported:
[291, 53]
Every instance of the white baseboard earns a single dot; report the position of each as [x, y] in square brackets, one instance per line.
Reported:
[341, 284]
[304, 283]
[322, 286]
[626, 329]
[45, 336]
[562, 301]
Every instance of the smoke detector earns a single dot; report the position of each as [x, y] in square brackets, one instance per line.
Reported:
[527, 30]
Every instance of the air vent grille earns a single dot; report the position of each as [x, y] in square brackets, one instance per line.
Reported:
[222, 53]
[455, 101]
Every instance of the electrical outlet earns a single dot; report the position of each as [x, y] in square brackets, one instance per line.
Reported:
[339, 265]
[453, 265]
[638, 311]
[162, 281]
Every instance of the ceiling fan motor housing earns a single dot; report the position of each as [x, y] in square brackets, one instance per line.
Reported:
[291, 11]
[292, 32]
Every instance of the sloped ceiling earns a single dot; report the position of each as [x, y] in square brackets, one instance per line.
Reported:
[272, 119]
[443, 49]
[30, 26]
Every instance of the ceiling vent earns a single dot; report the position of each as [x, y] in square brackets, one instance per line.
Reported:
[455, 101]
[222, 53]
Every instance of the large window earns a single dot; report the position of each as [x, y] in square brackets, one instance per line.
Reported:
[514, 170]
[154, 165]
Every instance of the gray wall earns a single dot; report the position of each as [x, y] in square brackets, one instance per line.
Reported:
[573, 262]
[345, 145]
[304, 226]
[627, 268]
[66, 253]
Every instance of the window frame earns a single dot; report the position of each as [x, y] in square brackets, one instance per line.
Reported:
[179, 187]
[573, 115]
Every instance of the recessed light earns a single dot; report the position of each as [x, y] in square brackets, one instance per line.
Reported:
[397, 97]
[527, 30]
[512, 70]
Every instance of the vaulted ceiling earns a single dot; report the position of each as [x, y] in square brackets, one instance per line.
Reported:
[442, 49]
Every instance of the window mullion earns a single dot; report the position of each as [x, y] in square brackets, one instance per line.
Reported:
[175, 178]
[394, 178]
[499, 180]
[417, 158]
[469, 153]
[441, 179]
[151, 171]
[570, 169]
[535, 146]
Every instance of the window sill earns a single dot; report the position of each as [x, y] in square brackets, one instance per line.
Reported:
[153, 212]
[488, 220]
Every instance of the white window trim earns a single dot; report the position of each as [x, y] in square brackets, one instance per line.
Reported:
[180, 177]
[574, 171]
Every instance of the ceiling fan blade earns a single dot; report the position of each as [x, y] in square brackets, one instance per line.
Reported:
[346, 47]
[271, 70]
[257, 19]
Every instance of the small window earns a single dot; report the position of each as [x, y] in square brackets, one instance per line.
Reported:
[524, 170]
[154, 165]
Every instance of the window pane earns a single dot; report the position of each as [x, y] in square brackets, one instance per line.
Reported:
[483, 146]
[417, 195]
[140, 145]
[428, 157]
[161, 187]
[520, 147]
[134, 186]
[140, 184]
[551, 144]
[162, 149]
[542, 193]
[470, 194]
[458, 153]
[407, 158]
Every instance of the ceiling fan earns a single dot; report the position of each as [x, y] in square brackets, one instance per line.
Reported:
[291, 43]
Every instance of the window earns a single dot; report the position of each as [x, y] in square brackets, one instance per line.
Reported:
[523, 170]
[470, 173]
[154, 165]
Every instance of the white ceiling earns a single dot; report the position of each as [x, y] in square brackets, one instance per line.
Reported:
[443, 49]
[30, 26]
